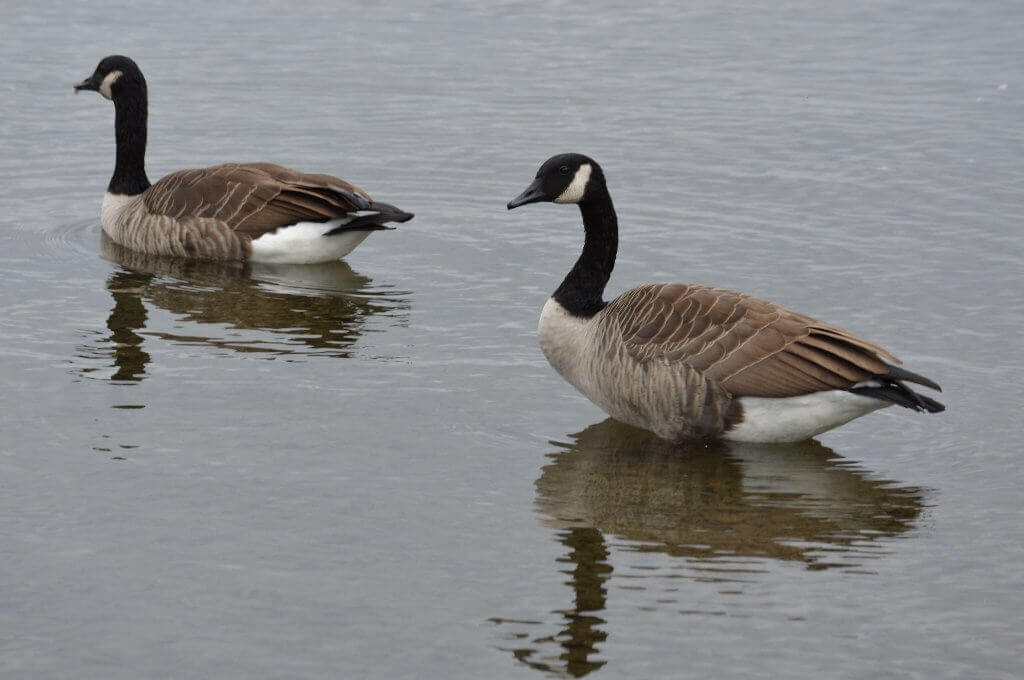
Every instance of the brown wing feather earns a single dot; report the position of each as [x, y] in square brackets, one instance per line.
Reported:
[253, 198]
[749, 346]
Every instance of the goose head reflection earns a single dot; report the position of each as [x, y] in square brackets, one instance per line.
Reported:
[271, 309]
[723, 512]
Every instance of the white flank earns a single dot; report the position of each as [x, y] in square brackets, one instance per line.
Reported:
[108, 82]
[793, 419]
[305, 243]
[574, 192]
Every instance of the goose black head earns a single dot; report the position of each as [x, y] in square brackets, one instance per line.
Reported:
[114, 76]
[565, 178]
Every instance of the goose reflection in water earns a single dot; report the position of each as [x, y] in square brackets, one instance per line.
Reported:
[273, 309]
[728, 511]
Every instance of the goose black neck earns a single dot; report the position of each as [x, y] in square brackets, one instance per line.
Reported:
[582, 291]
[130, 111]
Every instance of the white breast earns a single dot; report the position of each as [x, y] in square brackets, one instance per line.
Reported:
[113, 206]
[563, 340]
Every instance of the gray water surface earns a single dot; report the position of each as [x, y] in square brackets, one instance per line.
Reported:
[367, 469]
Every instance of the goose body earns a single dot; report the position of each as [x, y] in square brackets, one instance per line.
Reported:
[688, 361]
[234, 211]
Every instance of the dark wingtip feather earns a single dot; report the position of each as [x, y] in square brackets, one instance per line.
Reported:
[358, 201]
[390, 213]
[897, 393]
[932, 406]
[897, 373]
[382, 213]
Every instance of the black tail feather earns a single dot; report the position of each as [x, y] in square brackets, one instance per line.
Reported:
[898, 393]
[377, 217]
[897, 373]
[890, 387]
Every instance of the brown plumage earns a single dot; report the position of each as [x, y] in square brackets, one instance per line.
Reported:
[254, 198]
[681, 360]
[216, 212]
[749, 346]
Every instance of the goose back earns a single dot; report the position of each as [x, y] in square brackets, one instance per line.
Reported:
[749, 346]
[215, 212]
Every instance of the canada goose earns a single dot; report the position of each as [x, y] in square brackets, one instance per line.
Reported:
[236, 211]
[688, 361]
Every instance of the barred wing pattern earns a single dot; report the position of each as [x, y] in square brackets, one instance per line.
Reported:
[748, 346]
[214, 213]
[254, 198]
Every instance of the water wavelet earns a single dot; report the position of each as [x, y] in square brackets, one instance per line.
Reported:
[75, 240]
[581, 629]
[727, 511]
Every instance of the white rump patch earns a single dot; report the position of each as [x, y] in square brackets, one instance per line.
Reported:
[108, 82]
[793, 419]
[574, 192]
[305, 243]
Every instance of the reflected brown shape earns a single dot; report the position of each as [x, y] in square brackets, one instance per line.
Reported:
[580, 627]
[128, 315]
[274, 309]
[722, 508]
[722, 499]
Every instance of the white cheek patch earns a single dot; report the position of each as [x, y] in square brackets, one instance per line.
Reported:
[574, 192]
[108, 82]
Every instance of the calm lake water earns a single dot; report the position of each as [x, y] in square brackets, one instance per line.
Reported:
[368, 470]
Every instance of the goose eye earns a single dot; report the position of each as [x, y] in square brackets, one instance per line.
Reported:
[564, 170]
